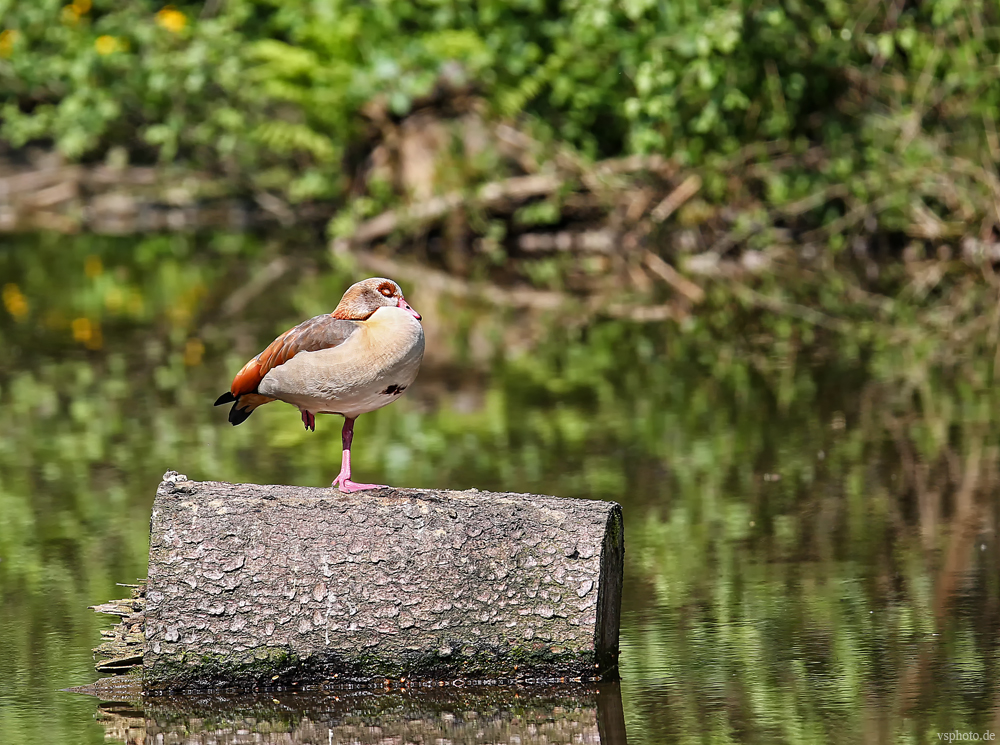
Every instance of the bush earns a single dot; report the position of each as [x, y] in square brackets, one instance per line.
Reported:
[271, 92]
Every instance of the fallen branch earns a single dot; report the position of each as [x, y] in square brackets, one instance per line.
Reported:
[435, 281]
[639, 313]
[811, 202]
[487, 196]
[585, 241]
[241, 298]
[672, 277]
[525, 298]
[688, 188]
[814, 317]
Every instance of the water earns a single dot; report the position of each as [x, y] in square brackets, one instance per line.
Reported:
[811, 550]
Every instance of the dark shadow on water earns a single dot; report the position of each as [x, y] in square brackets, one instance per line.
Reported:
[610, 714]
[558, 714]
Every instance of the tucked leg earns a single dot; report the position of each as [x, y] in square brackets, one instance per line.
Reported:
[344, 477]
[309, 420]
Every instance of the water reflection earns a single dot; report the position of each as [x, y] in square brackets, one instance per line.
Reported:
[841, 621]
[585, 715]
[811, 550]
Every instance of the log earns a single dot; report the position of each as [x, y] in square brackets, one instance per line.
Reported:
[280, 585]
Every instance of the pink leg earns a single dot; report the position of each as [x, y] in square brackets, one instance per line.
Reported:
[309, 420]
[344, 477]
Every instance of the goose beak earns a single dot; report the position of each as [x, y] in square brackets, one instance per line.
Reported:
[406, 306]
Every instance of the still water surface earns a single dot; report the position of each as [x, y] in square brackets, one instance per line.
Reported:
[811, 550]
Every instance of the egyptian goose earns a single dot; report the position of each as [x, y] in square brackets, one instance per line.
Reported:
[357, 359]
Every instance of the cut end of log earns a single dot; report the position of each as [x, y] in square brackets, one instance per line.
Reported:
[279, 585]
[121, 651]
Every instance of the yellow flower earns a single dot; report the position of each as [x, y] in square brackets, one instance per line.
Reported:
[8, 38]
[106, 45]
[83, 329]
[14, 301]
[88, 332]
[81, 6]
[193, 351]
[171, 19]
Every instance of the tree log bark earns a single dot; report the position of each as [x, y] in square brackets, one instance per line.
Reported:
[281, 585]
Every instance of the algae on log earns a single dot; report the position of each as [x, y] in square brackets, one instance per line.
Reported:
[275, 585]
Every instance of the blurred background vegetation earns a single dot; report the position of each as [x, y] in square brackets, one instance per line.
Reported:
[629, 157]
[729, 264]
[838, 120]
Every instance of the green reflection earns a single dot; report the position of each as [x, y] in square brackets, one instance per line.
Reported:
[809, 525]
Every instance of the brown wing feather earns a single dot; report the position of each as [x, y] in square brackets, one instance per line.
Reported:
[321, 332]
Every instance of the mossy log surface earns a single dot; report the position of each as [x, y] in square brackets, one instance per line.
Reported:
[282, 585]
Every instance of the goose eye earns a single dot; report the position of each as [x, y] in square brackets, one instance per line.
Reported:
[386, 290]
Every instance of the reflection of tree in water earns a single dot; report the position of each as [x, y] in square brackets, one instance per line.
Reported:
[846, 583]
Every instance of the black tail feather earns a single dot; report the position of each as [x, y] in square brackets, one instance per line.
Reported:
[238, 416]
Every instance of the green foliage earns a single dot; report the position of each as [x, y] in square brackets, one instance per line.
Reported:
[273, 93]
